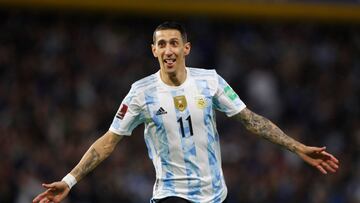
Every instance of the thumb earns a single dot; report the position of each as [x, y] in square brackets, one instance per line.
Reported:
[320, 149]
[316, 149]
[48, 186]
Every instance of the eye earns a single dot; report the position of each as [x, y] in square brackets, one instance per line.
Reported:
[161, 43]
[174, 43]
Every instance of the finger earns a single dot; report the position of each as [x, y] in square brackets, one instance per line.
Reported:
[320, 149]
[44, 200]
[332, 164]
[37, 199]
[40, 197]
[321, 169]
[335, 159]
[331, 157]
[48, 186]
[328, 167]
[316, 149]
[50, 198]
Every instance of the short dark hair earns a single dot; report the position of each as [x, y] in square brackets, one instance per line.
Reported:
[171, 25]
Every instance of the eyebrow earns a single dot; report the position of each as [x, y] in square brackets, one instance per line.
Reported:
[163, 40]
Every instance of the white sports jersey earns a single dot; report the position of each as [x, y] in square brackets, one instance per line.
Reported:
[180, 132]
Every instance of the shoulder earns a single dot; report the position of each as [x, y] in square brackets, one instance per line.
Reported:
[205, 78]
[202, 73]
[145, 83]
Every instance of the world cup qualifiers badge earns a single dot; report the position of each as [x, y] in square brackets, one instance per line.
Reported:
[122, 111]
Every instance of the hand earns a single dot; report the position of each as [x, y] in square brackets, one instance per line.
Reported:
[55, 192]
[319, 158]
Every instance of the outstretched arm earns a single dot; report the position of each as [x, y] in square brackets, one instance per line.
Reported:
[98, 151]
[315, 156]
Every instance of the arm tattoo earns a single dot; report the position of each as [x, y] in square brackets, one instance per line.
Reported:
[90, 160]
[100, 150]
[266, 129]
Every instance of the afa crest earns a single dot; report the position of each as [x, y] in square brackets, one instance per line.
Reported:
[200, 102]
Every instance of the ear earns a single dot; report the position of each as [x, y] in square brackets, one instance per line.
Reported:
[187, 48]
[153, 49]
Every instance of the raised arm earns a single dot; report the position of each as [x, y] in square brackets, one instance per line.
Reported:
[315, 156]
[98, 151]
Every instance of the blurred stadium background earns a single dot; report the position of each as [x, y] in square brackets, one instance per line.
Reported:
[66, 65]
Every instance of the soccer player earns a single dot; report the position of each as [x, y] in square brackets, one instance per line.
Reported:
[177, 105]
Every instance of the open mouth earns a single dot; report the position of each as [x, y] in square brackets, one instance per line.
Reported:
[169, 61]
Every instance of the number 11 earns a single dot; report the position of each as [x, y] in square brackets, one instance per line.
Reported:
[180, 120]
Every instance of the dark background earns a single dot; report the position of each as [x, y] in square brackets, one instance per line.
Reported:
[63, 74]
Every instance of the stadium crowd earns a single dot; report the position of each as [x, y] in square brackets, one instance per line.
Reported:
[62, 78]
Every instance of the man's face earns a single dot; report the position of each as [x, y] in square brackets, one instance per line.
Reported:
[170, 49]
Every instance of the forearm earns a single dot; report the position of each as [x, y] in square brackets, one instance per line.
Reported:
[265, 128]
[97, 152]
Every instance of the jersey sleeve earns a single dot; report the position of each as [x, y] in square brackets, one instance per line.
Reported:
[225, 99]
[128, 115]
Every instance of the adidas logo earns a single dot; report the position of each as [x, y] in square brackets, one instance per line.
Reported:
[161, 111]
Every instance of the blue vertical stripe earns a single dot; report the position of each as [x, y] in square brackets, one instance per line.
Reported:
[213, 139]
[189, 150]
[148, 146]
[152, 102]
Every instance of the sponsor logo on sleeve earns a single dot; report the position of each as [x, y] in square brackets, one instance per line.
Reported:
[122, 111]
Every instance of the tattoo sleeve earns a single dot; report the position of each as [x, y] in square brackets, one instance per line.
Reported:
[266, 129]
[98, 151]
[89, 161]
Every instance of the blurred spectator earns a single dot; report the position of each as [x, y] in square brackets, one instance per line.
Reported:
[61, 81]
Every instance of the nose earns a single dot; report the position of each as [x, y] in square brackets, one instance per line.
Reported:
[168, 50]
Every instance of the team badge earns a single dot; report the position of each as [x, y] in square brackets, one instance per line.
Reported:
[200, 102]
[180, 102]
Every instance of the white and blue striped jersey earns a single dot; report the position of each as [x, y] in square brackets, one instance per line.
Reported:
[180, 131]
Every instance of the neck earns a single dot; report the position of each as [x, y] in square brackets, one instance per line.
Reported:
[173, 79]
